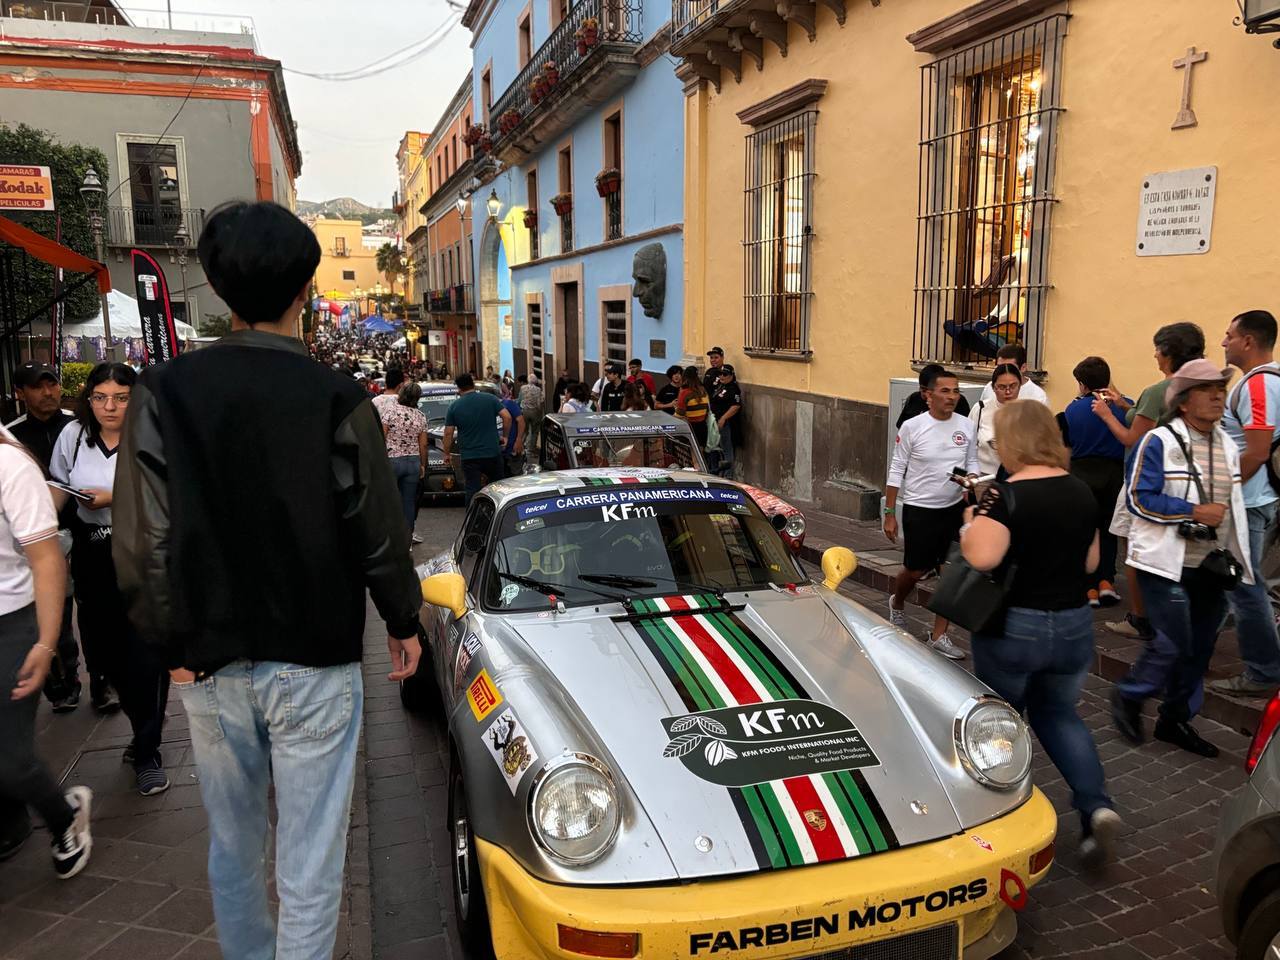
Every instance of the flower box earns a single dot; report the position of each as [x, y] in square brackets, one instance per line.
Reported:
[475, 133]
[551, 72]
[608, 181]
[486, 144]
[531, 219]
[562, 203]
[508, 121]
[587, 35]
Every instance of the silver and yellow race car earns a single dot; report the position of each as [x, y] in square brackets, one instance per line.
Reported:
[667, 741]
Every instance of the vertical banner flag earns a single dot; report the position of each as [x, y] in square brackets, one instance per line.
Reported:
[159, 335]
[59, 313]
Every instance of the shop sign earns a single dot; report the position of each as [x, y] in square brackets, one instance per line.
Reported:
[25, 188]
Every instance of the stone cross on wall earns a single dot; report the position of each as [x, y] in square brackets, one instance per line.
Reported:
[1186, 116]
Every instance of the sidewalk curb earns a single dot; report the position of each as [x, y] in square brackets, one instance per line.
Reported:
[1238, 714]
[359, 903]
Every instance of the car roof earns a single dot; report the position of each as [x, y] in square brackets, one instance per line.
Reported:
[612, 424]
[514, 488]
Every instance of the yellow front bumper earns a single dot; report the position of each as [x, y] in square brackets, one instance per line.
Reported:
[796, 912]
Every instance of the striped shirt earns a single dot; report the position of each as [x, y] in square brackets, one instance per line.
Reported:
[694, 409]
[1254, 404]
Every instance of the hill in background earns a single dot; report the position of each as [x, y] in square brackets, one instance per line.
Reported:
[344, 208]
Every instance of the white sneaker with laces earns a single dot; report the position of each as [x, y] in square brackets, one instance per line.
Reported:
[897, 618]
[947, 648]
[71, 850]
[1105, 827]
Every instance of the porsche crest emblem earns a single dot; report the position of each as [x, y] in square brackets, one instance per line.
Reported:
[816, 820]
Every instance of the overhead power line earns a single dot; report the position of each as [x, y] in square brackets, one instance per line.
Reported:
[405, 55]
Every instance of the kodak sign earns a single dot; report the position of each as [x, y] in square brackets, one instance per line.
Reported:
[25, 188]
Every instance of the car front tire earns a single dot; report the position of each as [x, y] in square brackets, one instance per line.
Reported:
[469, 906]
[419, 694]
[1261, 931]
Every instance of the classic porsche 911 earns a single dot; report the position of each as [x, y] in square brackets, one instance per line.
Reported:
[668, 742]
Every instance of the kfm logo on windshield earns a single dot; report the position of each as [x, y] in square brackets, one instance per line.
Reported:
[625, 511]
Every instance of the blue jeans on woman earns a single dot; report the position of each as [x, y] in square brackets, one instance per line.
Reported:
[1190, 613]
[406, 470]
[1039, 665]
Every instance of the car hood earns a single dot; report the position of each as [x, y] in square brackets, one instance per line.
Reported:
[743, 753]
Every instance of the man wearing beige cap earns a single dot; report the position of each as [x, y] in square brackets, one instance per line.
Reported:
[1189, 539]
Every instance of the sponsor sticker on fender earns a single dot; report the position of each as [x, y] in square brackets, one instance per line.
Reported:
[510, 748]
[483, 695]
[466, 650]
[741, 746]
[708, 942]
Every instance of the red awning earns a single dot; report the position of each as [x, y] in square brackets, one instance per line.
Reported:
[51, 252]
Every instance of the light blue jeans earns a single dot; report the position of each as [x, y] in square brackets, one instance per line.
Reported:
[252, 723]
[1251, 605]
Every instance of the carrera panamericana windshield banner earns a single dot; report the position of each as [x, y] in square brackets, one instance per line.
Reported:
[159, 335]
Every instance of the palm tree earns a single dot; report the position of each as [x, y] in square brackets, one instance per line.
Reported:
[390, 264]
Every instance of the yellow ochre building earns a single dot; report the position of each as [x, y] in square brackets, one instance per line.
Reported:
[871, 185]
[348, 261]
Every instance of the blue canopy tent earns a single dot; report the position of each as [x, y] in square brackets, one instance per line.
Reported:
[379, 324]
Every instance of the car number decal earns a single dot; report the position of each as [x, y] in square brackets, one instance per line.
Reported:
[483, 695]
[718, 663]
[510, 748]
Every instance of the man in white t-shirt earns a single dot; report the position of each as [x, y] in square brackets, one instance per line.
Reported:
[928, 449]
[1016, 353]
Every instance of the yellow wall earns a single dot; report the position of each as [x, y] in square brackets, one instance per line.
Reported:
[1121, 95]
[360, 259]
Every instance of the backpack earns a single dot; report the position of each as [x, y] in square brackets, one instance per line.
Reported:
[1273, 459]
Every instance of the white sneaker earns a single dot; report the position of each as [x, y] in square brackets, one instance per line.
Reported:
[947, 648]
[1105, 826]
[897, 618]
[71, 850]
[417, 539]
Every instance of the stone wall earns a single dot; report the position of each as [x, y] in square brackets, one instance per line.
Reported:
[818, 450]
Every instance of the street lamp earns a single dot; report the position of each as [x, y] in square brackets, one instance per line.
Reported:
[464, 198]
[92, 193]
[182, 240]
[494, 205]
[1260, 16]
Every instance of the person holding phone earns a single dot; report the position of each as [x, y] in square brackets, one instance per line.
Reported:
[85, 459]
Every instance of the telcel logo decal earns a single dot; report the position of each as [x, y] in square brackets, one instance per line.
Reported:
[832, 924]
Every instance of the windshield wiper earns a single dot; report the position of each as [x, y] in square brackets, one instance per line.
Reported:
[639, 583]
[554, 589]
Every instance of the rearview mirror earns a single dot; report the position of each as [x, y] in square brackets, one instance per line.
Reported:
[448, 591]
[837, 564]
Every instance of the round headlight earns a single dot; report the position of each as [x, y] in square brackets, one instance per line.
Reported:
[795, 526]
[993, 743]
[573, 810]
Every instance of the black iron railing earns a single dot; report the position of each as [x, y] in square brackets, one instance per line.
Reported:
[566, 232]
[590, 27]
[152, 227]
[613, 215]
[688, 15]
[455, 299]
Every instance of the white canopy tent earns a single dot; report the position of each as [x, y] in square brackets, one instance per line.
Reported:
[126, 322]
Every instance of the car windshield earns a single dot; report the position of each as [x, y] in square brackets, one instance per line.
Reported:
[632, 540]
[670, 451]
[436, 407]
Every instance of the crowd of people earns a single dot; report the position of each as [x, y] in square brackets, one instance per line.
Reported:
[1179, 485]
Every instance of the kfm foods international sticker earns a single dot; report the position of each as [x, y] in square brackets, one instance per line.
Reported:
[510, 748]
[741, 746]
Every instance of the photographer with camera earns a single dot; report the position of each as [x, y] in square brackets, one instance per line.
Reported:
[1189, 538]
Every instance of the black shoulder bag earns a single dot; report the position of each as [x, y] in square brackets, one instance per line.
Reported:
[975, 599]
[1220, 565]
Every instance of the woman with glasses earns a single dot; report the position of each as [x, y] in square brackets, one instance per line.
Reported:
[1006, 382]
[85, 459]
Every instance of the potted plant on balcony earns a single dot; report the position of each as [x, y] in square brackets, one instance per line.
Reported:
[475, 133]
[551, 72]
[587, 35]
[562, 203]
[608, 181]
[486, 144]
[539, 87]
[508, 121]
[531, 219]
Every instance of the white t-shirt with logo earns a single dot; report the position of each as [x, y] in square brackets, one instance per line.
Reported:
[89, 467]
[926, 452]
[26, 516]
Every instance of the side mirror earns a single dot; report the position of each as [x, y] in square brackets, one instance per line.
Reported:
[447, 590]
[837, 564]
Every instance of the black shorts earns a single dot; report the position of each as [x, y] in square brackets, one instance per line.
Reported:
[927, 534]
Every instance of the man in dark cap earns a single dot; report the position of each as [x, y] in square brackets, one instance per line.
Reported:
[38, 389]
[711, 379]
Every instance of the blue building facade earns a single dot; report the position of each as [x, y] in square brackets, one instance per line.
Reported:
[584, 136]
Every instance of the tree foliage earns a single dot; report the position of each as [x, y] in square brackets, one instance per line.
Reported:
[391, 264]
[67, 164]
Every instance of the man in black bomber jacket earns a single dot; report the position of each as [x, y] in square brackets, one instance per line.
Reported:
[253, 507]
